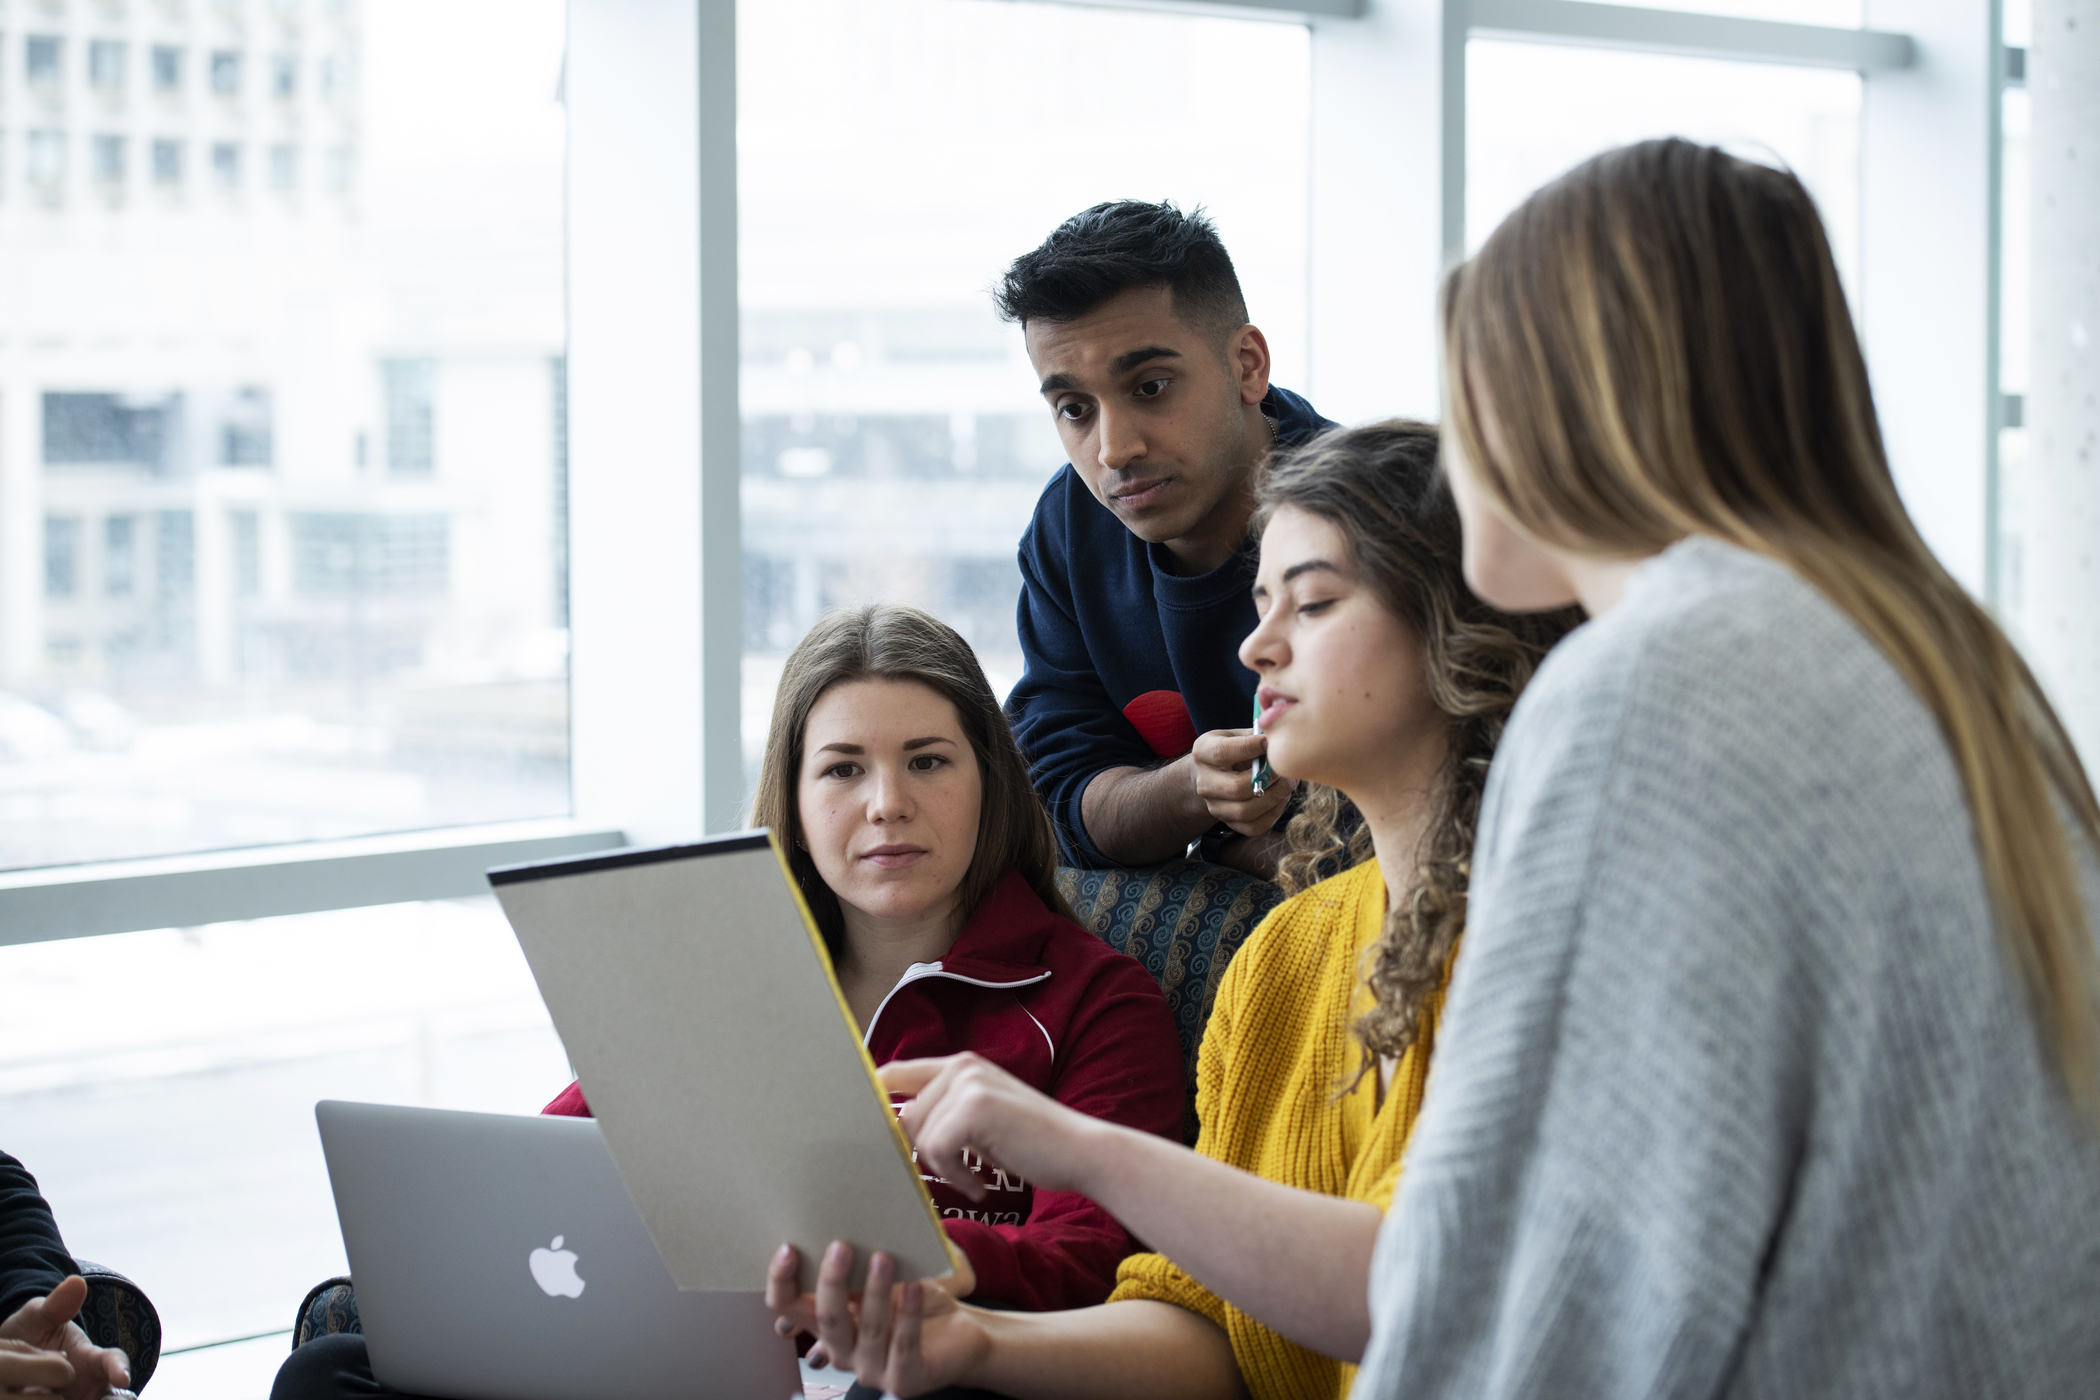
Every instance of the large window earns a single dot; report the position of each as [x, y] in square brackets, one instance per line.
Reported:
[893, 159]
[161, 1086]
[1535, 109]
[298, 453]
[285, 481]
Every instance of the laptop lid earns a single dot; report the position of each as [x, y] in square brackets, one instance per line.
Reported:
[499, 1258]
[698, 1005]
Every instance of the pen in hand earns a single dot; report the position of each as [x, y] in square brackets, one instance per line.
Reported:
[1263, 773]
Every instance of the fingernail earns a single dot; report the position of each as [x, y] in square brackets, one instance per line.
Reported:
[837, 1250]
[780, 1255]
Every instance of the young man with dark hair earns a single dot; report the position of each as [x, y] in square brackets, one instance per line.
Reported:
[1137, 568]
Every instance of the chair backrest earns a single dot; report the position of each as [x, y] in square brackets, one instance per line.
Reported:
[118, 1313]
[1183, 920]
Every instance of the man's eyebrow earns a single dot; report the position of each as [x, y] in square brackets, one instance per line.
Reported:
[1131, 359]
[1121, 364]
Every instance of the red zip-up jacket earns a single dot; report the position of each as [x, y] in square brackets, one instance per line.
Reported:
[1052, 1005]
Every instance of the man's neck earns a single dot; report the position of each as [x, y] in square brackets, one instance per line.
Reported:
[1222, 532]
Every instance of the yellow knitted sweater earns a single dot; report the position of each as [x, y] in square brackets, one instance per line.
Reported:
[1277, 1048]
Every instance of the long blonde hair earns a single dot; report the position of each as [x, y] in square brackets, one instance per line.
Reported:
[1665, 349]
[890, 642]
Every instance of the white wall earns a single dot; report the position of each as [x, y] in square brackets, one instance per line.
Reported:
[2062, 613]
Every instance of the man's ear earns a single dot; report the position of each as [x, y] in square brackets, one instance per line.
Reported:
[1247, 352]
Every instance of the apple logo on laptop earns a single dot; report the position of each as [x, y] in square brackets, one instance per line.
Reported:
[554, 1270]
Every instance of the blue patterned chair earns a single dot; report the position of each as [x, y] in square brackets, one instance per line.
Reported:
[1183, 920]
[118, 1313]
[329, 1307]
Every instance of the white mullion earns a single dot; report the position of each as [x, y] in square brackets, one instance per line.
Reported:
[1929, 155]
[721, 440]
[1690, 34]
[81, 901]
[645, 400]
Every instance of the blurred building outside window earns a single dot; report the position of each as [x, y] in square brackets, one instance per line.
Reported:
[40, 60]
[227, 632]
[247, 553]
[61, 556]
[167, 162]
[109, 160]
[245, 438]
[294, 647]
[119, 566]
[410, 417]
[167, 69]
[46, 164]
[106, 66]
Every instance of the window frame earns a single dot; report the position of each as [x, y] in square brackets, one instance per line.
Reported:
[655, 596]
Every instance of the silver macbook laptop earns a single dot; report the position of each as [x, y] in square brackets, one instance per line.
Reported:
[499, 1258]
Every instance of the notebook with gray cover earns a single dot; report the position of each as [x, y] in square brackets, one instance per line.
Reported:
[499, 1257]
[698, 1006]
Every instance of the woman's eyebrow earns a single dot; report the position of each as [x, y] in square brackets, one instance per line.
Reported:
[842, 747]
[910, 744]
[1309, 566]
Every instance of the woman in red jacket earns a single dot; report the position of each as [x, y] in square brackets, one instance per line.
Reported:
[928, 862]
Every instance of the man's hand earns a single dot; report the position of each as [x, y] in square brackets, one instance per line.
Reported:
[1141, 816]
[28, 1370]
[42, 1350]
[1225, 780]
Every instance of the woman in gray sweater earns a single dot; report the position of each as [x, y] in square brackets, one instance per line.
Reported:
[1769, 1065]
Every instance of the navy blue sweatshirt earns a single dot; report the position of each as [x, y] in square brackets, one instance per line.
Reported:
[1127, 661]
[33, 1259]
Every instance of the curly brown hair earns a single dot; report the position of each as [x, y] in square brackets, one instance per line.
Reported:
[1380, 486]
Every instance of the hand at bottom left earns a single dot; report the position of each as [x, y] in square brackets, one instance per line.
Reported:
[900, 1338]
[44, 1352]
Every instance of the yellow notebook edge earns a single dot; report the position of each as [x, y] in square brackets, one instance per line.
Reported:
[882, 1095]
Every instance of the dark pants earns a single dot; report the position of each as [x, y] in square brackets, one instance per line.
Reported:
[333, 1367]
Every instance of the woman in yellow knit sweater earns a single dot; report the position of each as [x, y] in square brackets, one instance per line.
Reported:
[1385, 680]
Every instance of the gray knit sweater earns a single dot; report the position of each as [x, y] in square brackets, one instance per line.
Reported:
[1736, 1092]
